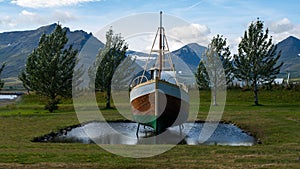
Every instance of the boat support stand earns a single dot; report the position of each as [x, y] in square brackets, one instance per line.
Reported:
[180, 128]
[137, 130]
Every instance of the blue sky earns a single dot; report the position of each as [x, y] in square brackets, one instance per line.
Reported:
[210, 17]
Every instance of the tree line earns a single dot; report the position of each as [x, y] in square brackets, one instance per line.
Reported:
[49, 68]
[255, 63]
[1, 81]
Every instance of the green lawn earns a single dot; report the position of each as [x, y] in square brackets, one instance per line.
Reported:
[276, 123]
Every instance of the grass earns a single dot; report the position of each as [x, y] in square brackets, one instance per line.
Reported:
[276, 123]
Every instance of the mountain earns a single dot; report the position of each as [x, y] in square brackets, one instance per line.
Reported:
[290, 56]
[16, 46]
[190, 54]
[185, 60]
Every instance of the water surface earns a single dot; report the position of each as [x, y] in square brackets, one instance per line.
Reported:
[8, 96]
[125, 133]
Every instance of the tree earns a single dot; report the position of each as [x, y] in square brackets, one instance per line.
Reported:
[108, 59]
[215, 66]
[49, 68]
[1, 81]
[220, 47]
[201, 75]
[124, 74]
[256, 61]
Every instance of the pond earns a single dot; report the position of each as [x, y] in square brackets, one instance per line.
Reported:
[125, 133]
[6, 99]
[8, 96]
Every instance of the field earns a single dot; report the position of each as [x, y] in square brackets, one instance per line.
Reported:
[276, 123]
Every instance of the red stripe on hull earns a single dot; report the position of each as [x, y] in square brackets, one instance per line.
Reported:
[173, 111]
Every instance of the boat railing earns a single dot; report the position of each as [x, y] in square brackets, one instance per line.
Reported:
[184, 87]
[169, 79]
[181, 85]
[138, 80]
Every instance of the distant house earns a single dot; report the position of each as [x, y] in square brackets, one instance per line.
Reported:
[236, 82]
[278, 81]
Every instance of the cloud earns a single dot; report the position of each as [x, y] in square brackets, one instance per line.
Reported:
[233, 44]
[177, 37]
[281, 26]
[64, 16]
[8, 21]
[192, 6]
[58, 15]
[25, 17]
[193, 33]
[28, 14]
[48, 3]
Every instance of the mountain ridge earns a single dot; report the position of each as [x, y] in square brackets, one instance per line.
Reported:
[17, 45]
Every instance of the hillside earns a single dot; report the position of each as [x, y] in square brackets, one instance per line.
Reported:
[290, 55]
[190, 54]
[16, 46]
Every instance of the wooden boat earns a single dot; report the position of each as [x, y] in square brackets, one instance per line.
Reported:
[159, 101]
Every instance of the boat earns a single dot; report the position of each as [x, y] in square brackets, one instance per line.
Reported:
[157, 98]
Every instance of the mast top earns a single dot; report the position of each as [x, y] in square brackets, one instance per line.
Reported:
[160, 18]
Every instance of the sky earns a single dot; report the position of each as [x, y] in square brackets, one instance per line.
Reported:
[203, 19]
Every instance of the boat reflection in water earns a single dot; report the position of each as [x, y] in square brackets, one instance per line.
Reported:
[124, 133]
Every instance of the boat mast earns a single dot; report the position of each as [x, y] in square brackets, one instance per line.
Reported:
[160, 47]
